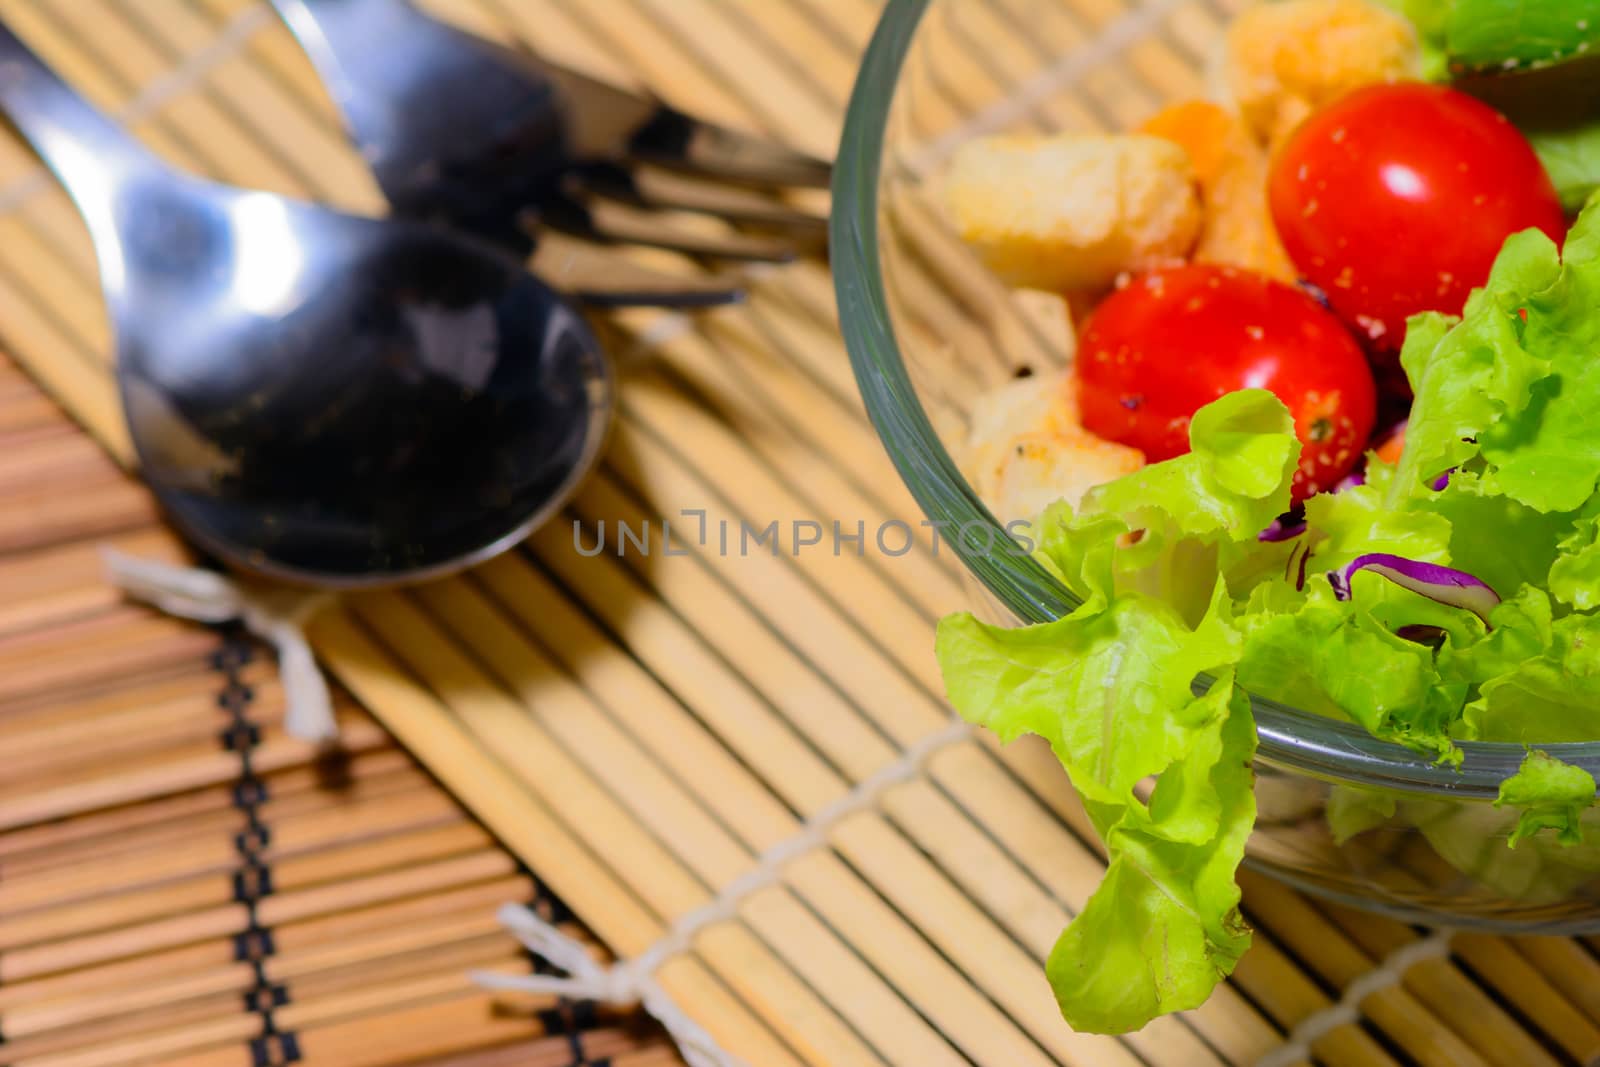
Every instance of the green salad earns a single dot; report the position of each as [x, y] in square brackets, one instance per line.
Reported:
[1452, 595]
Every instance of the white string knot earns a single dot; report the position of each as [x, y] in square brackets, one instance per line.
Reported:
[633, 981]
[622, 984]
[277, 616]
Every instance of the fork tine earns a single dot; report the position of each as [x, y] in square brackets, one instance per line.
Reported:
[674, 140]
[652, 187]
[607, 121]
[611, 222]
[600, 278]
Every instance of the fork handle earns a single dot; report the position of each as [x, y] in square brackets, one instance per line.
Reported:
[92, 155]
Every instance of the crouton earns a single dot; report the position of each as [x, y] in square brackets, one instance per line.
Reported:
[1285, 60]
[1071, 212]
[1027, 449]
[1237, 228]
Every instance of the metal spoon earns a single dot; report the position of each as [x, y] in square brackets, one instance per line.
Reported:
[316, 397]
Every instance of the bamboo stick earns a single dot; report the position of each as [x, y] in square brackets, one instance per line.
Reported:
[180, 1025]
[229, 919]
[1566, 964]
[519, 818]
[99, 507]
[784, 35]
[109, 833]
[421, 949]
[504, 726]
[1449, 993]
[63, 582]
[440, 1028]
[126, 640]
[275, 53]
[44, 208]
[627, 773]
[606, 1045]
[218, 142]
[306, 946]
[45, 458]
[190, 771]
[28, 410]
[1400, 1013]
[238, 1027]
[1510, 975]
[544, 27]
[340, 861]
[151, 730]
[311, 154]
[175, 870]
[100, 703]
[732, 382]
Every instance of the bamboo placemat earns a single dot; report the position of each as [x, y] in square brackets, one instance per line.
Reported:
[639, 728]
[181, 882]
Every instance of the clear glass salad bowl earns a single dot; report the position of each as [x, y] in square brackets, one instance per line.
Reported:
[1340, 814]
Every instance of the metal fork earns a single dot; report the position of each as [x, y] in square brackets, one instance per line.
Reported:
[461, 130]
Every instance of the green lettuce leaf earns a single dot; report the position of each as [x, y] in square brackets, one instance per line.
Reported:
[1359, 520]
[1110, 688]
[1164, 926]
[1546, 453]
[1521, 633]
[1551, 795]
[1232, 483]
[1492, 537]
[1549, 698]
[1472, 838]
[1571, 156]
[1574, 576]
[1467, 35]
[1335, 659]
[1352, 811]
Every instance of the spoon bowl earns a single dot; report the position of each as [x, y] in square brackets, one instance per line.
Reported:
[312, 396]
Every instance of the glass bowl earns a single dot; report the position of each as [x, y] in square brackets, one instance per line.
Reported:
[928, 328]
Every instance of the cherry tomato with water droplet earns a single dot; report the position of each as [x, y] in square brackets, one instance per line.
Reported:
[1169, 342]
[1396, 199]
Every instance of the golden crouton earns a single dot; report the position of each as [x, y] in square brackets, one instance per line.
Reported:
[1232, 170]
[1286, 60]
[1072, 212]
[1027, 449]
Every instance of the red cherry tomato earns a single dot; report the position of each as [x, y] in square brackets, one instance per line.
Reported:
[1396, 199]
[1169, 342]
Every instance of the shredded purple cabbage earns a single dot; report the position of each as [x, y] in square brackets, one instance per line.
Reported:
[1443, 480]
[1282, 531]
[1350, 481]
[1444, 584]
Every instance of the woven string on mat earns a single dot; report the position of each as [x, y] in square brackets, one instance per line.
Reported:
[1391, 971]
[277, 616]
[633, 981]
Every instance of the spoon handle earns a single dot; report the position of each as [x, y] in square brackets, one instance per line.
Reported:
[89, 152]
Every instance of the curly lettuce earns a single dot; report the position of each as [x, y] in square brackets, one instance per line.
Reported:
[1459, 36]
[1551, 795]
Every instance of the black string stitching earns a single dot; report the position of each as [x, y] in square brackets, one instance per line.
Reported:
[252, 880]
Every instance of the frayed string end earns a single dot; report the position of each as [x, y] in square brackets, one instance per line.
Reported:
[277, 616]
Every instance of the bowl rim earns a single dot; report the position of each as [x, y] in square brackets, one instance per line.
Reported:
[1290, 738]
